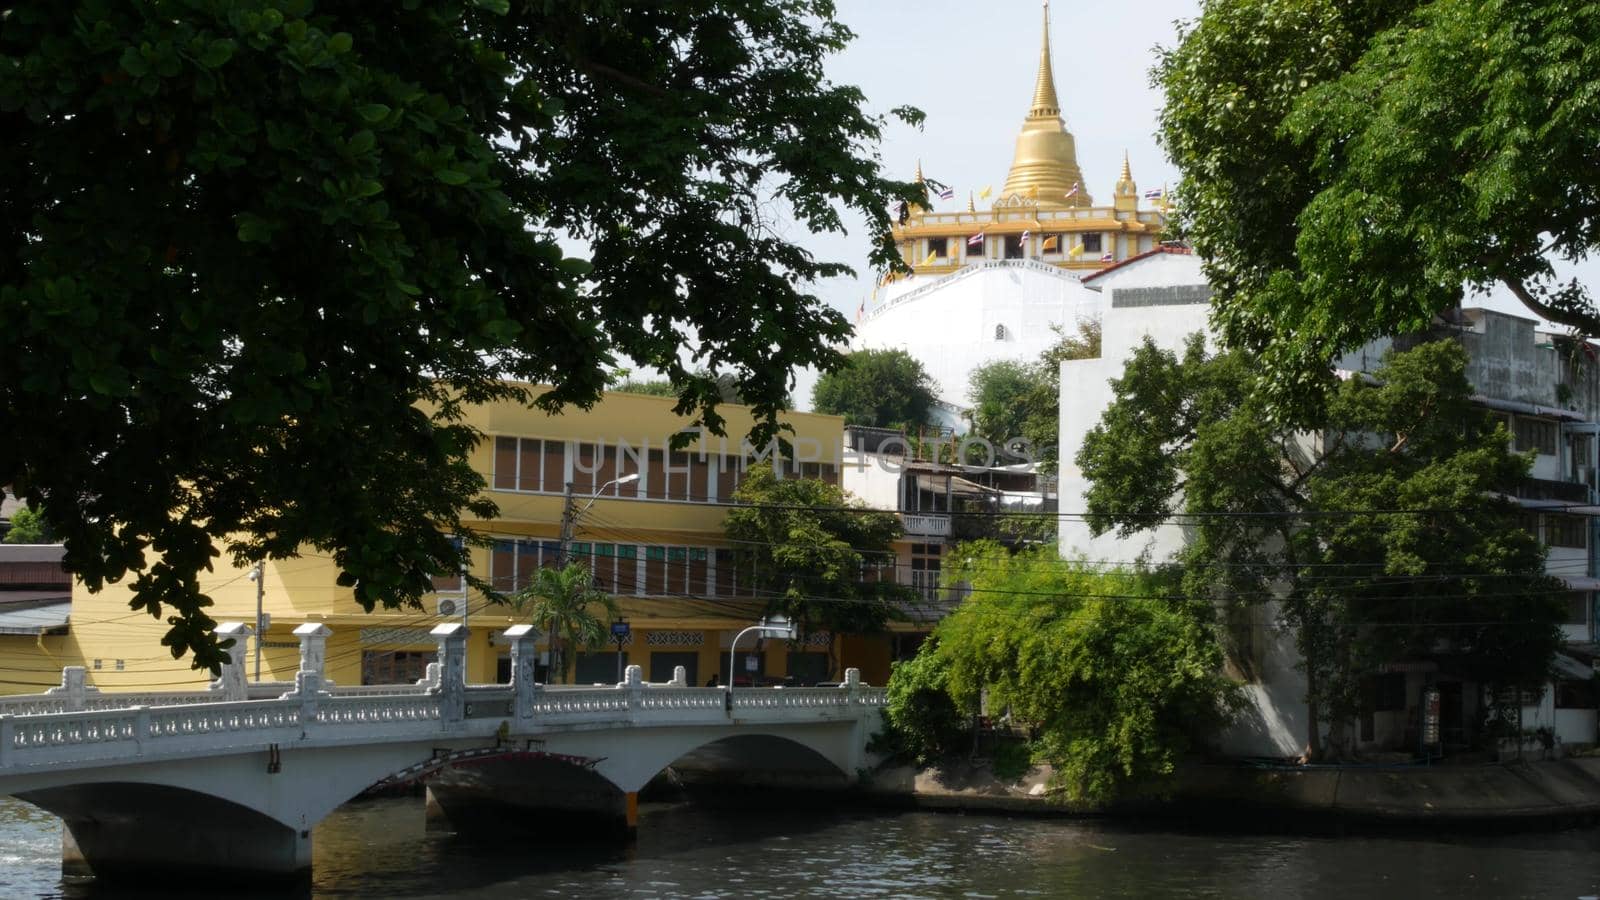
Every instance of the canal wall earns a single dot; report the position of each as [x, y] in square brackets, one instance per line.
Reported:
[1538, 794]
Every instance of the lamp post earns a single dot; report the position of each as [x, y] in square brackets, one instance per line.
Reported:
[569, 525]
[777, 626]
[258, 575]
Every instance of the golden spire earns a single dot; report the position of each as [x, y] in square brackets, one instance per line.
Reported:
[1044, 87]
[1045, 167]
[920, 179]
[971, 206]
[1127, 171]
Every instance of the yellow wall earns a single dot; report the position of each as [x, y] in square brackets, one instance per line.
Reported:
[304, 589]
[30, 664]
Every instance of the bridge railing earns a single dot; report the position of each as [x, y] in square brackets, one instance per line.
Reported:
[39, 731]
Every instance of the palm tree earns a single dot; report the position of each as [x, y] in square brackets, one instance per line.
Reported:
[563, 600]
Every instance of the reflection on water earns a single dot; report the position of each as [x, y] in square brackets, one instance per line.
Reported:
[380, 849]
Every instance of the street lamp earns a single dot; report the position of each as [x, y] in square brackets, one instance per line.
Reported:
[569, 524]
[777, 626]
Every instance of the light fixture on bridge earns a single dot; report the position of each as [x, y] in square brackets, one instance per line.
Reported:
[777, 626]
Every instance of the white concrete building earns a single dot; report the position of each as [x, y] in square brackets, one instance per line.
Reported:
[1550, 405]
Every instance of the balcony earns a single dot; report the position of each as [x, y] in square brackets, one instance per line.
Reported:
[925, 525]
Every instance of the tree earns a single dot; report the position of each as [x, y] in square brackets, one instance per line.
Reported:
[564, 601]
[877, 388]
[1117, 677]
[28, 526]
[1386, 533]
[813, 553]
[1001, 393]
[1348, 167]
[256, 256]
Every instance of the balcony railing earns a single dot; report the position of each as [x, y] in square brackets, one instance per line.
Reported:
[924, 525]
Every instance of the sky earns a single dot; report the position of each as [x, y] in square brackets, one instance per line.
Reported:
[970, 67]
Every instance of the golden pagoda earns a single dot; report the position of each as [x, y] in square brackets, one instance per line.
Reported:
[1044, 212]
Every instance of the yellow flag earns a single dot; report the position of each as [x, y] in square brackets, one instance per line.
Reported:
[984, 194]
[928, 260]
[1077, 250]
[1052, 242]
[1032, 192]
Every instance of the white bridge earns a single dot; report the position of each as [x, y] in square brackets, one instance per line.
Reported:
[232, 779]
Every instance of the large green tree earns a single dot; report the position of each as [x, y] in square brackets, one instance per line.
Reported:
[1117, 676]
[877, 388]
[255, 255]
[814, 553]
[572, 611]
[1386, 532]
[1350, 166]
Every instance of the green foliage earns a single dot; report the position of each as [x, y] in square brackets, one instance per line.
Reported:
[258, 254]
[1319, 520]
[878, 388]
[1000, 393]
[1011, 759]
[564, 602]
[923, 722]
[656, 388]
[1116, 678]
[808, 549]
[1349, 165]
[28, 526]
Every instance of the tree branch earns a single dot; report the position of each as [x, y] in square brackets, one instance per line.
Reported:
[1584, 324]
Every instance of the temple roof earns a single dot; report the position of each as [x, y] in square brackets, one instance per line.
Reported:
[1045, 167]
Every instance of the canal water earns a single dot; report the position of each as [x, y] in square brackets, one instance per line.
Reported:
[380, 849]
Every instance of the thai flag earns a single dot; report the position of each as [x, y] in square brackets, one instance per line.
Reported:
[1106, 257]
[1074, 191]
[1025, 235]
[1153, 195]
[947, 194]
[976, 240]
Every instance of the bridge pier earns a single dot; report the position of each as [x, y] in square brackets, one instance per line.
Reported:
[129, 833]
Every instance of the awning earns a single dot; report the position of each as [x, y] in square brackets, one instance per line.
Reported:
[1581, 582]
[48, 619]
[1567, 667]
[935, 484]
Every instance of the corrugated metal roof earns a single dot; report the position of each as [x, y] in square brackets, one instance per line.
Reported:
[21, 553]
[36, 619]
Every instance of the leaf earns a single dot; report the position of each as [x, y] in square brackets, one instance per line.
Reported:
[217, 54]
[498, 7]
[362, 141]
[451, 176]
[340, 43]
[133, 62]
[373, 112]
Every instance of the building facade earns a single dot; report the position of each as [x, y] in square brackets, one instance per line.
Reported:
[1549, 399]
[654, 542]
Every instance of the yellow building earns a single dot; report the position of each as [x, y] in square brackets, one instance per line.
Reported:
[655, 542]
[1044, 210]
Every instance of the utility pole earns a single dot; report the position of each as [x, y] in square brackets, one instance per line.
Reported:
[569, 524]
[260, 578]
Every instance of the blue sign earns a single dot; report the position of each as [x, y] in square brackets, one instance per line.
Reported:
[619, 629]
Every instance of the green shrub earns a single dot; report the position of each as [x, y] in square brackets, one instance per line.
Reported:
[923, 721]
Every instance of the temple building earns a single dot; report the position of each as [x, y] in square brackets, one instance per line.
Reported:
[989, 284]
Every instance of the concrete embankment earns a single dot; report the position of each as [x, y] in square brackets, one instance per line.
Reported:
[1539, 794]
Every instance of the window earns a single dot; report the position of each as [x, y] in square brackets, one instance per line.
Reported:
[727, 581]
[512, 564]
[450, 584]
[1571, 694]
[807, 668]
[999, 332]
[1091, 243]
[1389, 693]
[699, 571]
[394, 666]
[1013, 244]
[655, 571]
[939, 247]
[529, 464]
[925, 569]
[1577, 608]
[1529, 522]
[1566, 531]
[1535, 434]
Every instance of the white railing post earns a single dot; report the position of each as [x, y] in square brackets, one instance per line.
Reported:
[73, 689]
[8, 738]
[852, 684]
[523, 657]
[141, 726]
[313, 648]
[233, 684]
[452, 640]
[633, 683]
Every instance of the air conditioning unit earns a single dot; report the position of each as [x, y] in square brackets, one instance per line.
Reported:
[449, 607]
